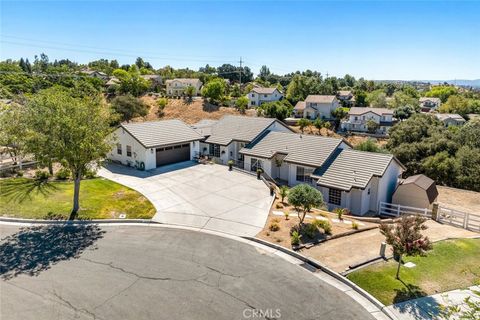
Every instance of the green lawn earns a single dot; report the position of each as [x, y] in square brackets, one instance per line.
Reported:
[452, 264]
[99, 199]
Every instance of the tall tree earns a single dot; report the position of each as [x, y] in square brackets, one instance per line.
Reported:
[78, 131]
[128, 107]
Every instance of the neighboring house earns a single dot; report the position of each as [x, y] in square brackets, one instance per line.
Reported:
[450, 119]
[147, 145]
[347, 178]
[359, 117]
[113, 81]
[224, 138]
[95, 74]
[346, 98]
[298, 109]
[155, 80]
[417, 191]
[176, 87]
[428, 104]
[316, 106]
[258, 95]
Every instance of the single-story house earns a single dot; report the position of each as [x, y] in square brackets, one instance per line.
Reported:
[450, 119]
[147, 145]
[417, 191]
[223, 139]
[95, 74]
[259, 95]
[347, 178]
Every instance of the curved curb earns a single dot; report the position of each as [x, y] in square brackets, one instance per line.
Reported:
[245, 239]
[96, 221]
[330, 272]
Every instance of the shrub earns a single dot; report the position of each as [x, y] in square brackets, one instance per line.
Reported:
[41, 175]
[339, 212]
[90, 174]
[286, 214]
[274, 226]
[162, 103]
[278, 206]
[354, 225]
[310, 230]
[325, 225]
[283, 192]
[295, 238]
[20, 173]
[63, 174]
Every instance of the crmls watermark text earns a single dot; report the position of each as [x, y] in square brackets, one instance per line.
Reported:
[261, 314]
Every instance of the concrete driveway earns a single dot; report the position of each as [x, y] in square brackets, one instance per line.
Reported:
[139, 272]
[200, 196]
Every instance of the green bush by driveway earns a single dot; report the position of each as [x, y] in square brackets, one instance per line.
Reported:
[99, 199]
[452, 264]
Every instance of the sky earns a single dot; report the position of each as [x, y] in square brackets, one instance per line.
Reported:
[396, 40]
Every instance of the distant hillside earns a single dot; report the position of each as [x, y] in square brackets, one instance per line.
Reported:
[458, 82]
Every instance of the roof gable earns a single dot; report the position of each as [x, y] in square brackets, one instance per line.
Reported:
[378, 111]
[308, 150]
[312, 98]
[159, 133]
[238, 128]
[348, 169]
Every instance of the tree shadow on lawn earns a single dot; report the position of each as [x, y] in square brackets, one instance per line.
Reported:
[18, 190]
[407, 300]
[35, 249]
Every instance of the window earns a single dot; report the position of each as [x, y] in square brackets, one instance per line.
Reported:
[368, 190]
[119, 148]
[264, 95]
[253, 95]
[255, 164]
[335, 196]
[215, 150]
[303, 174]
[356, 118]
[363, 118]
[253, 103]
[129, 151]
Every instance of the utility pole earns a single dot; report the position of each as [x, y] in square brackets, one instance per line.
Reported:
[240, 71]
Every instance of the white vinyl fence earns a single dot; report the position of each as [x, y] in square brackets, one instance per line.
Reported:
[466, 220]
[396, 210]
[460, 219]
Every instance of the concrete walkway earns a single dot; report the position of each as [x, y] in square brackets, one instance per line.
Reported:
[339, 254]
[429, 307]
[200, 196]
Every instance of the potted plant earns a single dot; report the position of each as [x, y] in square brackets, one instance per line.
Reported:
[230, 164]
[259, 173]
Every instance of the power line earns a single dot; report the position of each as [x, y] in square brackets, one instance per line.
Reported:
[111, 53]
[100, 48]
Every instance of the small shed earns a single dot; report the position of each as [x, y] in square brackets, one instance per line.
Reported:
[416, 191]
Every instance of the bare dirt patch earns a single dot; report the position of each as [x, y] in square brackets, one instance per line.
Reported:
[459, 199]
[189, 112]
[282, 235]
